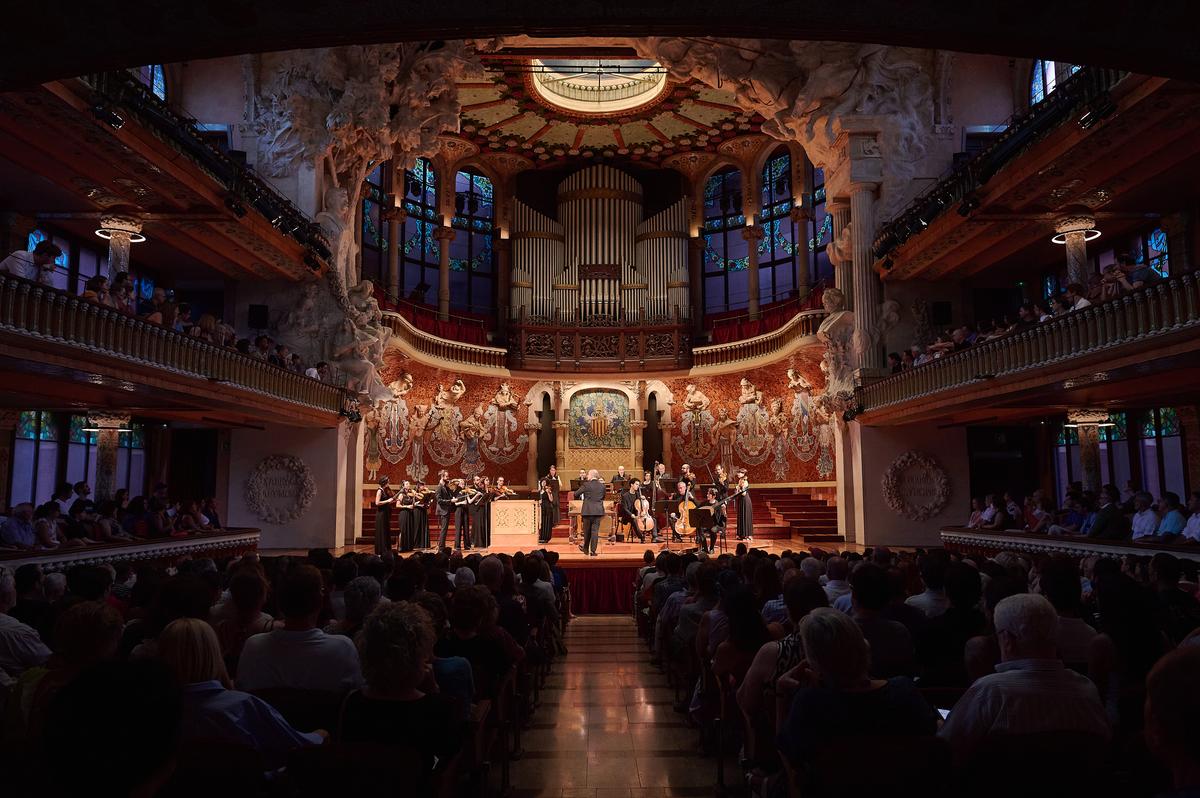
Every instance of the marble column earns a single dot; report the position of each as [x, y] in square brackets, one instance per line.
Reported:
[395, 220]
[639, 452]
[122, 231]
[532, 429]
[108, 438]
[753, 234]
[503, 248]
[444, 235]
[1074, 230]
[8, 427]
[560, 445]
[801, 216]
[666, 427]
[696, 282]
[843, 262]
[867, 290]
[1087, 423]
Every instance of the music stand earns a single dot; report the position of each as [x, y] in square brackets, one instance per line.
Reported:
[700, 519]
[664, 507]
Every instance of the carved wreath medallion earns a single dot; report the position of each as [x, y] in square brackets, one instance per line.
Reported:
[916, 486]
[280, 489]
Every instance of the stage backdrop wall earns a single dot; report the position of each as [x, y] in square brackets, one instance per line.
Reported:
[770, 420]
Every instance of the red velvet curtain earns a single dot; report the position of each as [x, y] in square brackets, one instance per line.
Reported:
[605, 590]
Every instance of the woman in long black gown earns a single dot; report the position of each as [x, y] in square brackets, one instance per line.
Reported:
[745, 510]
[549, 511]
[385, 498]
[406, 504]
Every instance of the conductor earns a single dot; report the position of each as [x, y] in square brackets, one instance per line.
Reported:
[591, 492]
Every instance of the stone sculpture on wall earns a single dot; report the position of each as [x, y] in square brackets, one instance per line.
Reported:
[501, 443]
[916, 486]
[753, 440]
[834, 334]
[445, 442]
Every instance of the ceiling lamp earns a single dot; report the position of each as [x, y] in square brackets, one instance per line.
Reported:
[121, 226]
[597, 86]
[1073, 225]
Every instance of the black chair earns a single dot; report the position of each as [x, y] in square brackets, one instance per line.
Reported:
[1065, 763]
[360, 769]
[206, 768]
[898, 766]
[305, 710]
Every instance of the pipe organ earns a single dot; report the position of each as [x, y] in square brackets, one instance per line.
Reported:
[600, 263]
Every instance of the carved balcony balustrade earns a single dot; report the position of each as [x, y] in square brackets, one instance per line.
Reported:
[760, 347]
[36, 318]
[445, 350]
[1142, 324]
[600, 345]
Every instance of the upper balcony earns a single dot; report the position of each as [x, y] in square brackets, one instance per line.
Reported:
[1103, 354]
[57, 349]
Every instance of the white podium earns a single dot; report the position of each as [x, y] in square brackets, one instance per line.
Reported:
[515, 524]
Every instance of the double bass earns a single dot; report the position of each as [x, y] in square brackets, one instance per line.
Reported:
[643, 521]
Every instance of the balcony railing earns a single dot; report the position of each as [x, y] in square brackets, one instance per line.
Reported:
[455, 352]
[801, 325]
[46, 314]
[1168, 307]
[621, 345]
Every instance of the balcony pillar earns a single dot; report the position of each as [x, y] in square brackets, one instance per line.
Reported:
[444, 235]
[108, 439]
[696, 283]
[1074, 232]
[121, 232]
[8, 426]
[560, 444]
[866, 287]
[840, 256]
[752, 234]
[531, 470]
[1088, 421]
[503, 247]
[395, 219]
[639, 453]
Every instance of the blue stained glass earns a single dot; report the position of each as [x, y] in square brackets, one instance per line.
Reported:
[421, 240]
[1157, 258]
[1037, 88]
[37, 237]
[823, 234]
[1049, 286]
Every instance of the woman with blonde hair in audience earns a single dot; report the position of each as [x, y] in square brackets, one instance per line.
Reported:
[212, 710]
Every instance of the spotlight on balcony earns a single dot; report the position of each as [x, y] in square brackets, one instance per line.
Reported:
[969, 204]
[108, 116]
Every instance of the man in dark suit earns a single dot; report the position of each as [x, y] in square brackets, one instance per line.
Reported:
[1110, 523]
[591, 492]
[445, 506]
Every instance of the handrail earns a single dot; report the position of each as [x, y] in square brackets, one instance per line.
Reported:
[1088, 85]
[801, 325]
[1166, 307]
[442, 348]
[38, 311]
[123, 89]
[426, 310]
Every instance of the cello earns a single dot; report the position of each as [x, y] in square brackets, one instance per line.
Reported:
[643, 521]
[681, 526]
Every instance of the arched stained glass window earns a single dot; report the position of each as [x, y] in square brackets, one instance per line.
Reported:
[1046, 76]
[820, 231]
[153, 77]
[778, 249]
[726, 256]
[471, 254]
[419, 277]
[374, 232]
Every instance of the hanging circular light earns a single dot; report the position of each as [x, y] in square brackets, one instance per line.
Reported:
[1069, 225]
[110, 225]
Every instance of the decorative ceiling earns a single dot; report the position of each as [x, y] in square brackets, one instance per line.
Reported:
[507, 114]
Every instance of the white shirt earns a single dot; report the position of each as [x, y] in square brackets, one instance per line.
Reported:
[307, 660]
[835, 589]
[1024, 696]
[1145, 523]
[20, 264]
[1192, 530]
[312, 372]
[20, 647]
[1081, 303]
[932, 602]
[988, 514]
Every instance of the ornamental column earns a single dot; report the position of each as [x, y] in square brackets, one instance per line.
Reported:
[503, 247]
[444, 235]
[639, 453]
[121, 232]
[753, 234]
[1087, 421]
[843, 261]
[560, 445]
[395, 219]
[696, 283]
[1075, 231]
[801, 216]
[8, 428]
[866, 288]
[531, 470]
[109, 427]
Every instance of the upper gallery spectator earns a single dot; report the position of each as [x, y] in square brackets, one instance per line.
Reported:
[212, 709]
[1131, 275]
[20, 646]
[1076, 296]
[1191, 531]
[1031, 691]
[1173, 521]
[36, 264]
[1145, 521]
[17, 529]
[299, 655]
[1110, 522]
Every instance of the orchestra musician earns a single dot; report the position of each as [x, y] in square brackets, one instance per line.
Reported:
[420, 515]
[721, 482]
[548, 493]
[406, 503]
[683, 493]
[591, 492]
[619, 479]
[627, 506]
[501, 490]
[745, 510]
[686, 475]
[445, 505]
[462, 516]
[477, 510]
[715, 523]
[556, 484]
[385, 498]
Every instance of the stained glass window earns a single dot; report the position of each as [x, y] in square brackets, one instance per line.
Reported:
[777, 250]
[1046, 76]
[153, 77]
[1156, 252]
[1117, 432]
[131, 460]
[374, 232]
[726, 254]
[37, 237]
[419, 277]
[472, 284]
[35, 457]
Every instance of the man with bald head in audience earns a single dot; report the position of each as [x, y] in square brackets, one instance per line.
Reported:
[1031, 691]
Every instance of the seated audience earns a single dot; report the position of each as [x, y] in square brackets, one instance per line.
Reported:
[1172, 706]
[1144, 523]
[891, 646]
[836, 571]
[242, 616]
[932, 601]
[942, 643]
[212, 709]
[20, 646]
[1031, 691]
[36, 265]
[475, 637]
[1173, 521]
[299, 655]
[1191, 531]
[1110, 522]
[362, 596]
[802, 595]
[17, 529]
[1059, 582]
[400, 703]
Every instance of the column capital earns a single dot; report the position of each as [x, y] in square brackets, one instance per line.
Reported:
[108, 419]
[395, 214]
[1087, 415]
[752, 232]
[533, 426]
[667, 425]
[863, 186]
[1075, 223]
[637, 424]
[129, 224]
[562, 424]
[444, 233]
[839, 203]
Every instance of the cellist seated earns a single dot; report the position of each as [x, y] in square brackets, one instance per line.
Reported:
[679, 518]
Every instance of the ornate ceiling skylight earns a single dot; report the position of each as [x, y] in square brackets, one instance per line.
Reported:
[591, 86]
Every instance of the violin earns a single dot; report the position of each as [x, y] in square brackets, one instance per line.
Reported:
[500, 491]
